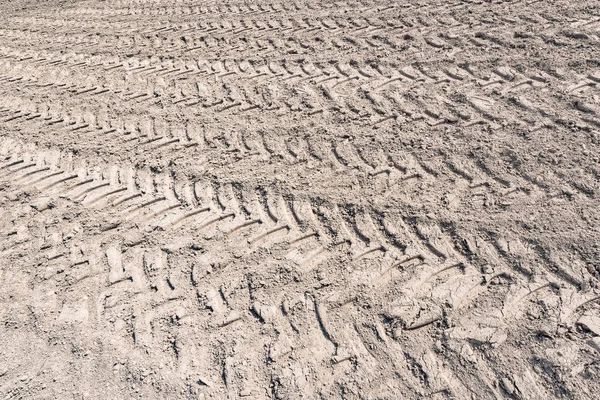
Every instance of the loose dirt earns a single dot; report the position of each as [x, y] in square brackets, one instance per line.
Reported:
[285, 200]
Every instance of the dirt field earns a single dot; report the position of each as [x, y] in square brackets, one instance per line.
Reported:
[299, 200]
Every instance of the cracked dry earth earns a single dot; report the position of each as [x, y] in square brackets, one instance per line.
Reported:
[299, 200]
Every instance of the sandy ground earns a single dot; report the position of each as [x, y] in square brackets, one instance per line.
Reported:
[299, 200]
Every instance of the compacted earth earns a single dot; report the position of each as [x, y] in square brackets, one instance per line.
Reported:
[367, 199]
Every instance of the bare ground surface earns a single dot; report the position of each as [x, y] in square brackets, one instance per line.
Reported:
[285, 200]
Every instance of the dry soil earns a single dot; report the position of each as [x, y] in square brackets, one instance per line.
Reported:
[369, 199]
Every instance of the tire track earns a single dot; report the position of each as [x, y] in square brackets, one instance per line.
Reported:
[344, 200]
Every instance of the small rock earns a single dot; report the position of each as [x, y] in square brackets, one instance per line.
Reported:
[507, 385]
[43, 204]
[12, 196]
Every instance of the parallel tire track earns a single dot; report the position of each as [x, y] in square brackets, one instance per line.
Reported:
[263, 200]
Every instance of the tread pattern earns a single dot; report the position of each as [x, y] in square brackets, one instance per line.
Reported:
[365, 199]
